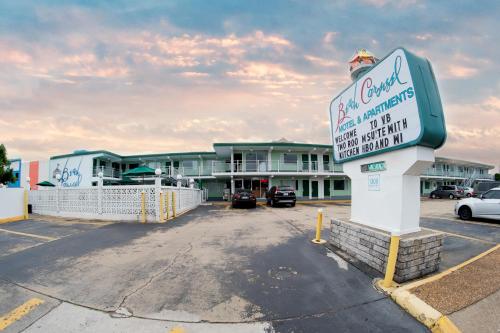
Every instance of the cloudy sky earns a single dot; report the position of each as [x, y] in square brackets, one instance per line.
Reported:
[161, 76]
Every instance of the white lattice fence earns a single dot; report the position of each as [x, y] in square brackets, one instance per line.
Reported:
[113, 202]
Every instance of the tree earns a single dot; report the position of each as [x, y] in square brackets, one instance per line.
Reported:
[497, 177]
[6, 174]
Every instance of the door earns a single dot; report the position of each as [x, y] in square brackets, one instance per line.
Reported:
[314, 185]
[326, 162]
[314, 162]
[305, 188]
[489, 204]
[305, 166]
[327, 187]
[238, 162]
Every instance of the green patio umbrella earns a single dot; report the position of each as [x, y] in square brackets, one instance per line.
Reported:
[140, 171]
[46, 184]
[127, 181]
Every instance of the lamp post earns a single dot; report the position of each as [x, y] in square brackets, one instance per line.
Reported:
[58, 178]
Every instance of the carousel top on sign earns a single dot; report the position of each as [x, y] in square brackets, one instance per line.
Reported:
[361, 62]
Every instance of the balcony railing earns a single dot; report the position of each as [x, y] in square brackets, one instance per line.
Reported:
[107, 172]
[275, 166]
[456, 174]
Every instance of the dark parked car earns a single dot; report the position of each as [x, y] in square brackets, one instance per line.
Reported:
[281, 195]
[244, 198]
[482, 187]
[447, 191]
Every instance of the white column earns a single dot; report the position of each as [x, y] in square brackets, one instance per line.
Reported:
[100, 183]
[232, 161]
[309, 164]
[310, 182]
[157, 194]
[321, 188]
[232, 186]
[269, 160]
[389, 199]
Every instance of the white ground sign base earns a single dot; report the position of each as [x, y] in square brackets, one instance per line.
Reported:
[389, 199]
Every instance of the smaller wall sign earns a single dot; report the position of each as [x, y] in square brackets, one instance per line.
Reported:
[374, 183]
[373, 167]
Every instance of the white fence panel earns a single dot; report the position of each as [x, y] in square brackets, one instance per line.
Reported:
[43, 201]
[113, 202]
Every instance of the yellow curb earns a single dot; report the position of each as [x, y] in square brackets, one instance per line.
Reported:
[12, 219]
[423, 312]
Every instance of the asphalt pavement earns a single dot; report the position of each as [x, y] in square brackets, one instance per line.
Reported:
[213, 269]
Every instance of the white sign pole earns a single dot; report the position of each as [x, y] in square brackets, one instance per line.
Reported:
[389, 200]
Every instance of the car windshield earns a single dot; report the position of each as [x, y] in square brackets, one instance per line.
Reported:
[286, 188]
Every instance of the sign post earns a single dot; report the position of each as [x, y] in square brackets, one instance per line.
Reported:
[385, 127]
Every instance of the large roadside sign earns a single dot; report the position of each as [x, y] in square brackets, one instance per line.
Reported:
[396, 104]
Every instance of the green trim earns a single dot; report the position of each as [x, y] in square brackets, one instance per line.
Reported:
[170, 154]
[273, 144]
[125, 157]
[81, 153]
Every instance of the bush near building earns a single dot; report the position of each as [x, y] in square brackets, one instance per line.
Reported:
[6, 174]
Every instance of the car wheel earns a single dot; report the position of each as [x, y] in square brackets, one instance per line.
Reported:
[465, 213]
[433, 196]
[272, 203]
[293, 205]
[451, 196]
[469, 195]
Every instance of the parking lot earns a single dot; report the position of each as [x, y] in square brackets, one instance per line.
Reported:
[214, 269]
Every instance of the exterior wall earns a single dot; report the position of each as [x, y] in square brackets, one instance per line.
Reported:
[75, 171]
[340, 193]
[215, 187]
[12, 200]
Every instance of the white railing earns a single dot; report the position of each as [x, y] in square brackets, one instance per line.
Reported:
[275, 166]
[121, 203]
[107, 172]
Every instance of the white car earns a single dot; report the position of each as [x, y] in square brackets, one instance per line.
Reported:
[468, 191]
[486, 206]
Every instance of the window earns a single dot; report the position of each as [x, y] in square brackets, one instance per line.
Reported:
[427, 185]
[290, 158]
[188, 164]
[339, 185]
[491, 195]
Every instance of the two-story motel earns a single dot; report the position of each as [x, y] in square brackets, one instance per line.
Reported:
[309, 168]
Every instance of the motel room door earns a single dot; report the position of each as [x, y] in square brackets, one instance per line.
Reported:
[314, 190]
[327, 188]
[305, 188]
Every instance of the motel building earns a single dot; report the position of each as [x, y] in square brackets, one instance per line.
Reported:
[309, 168]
